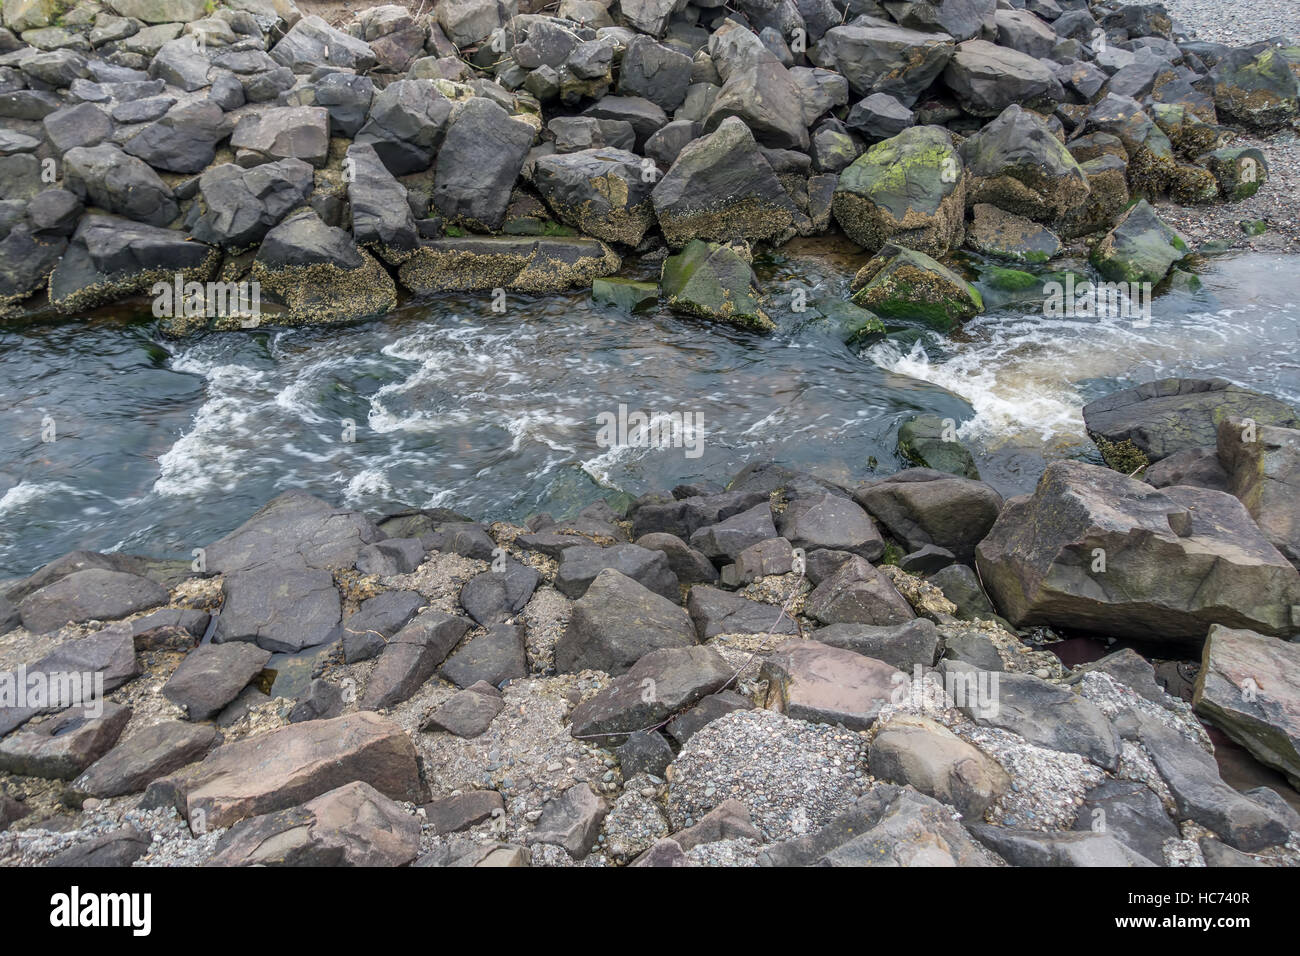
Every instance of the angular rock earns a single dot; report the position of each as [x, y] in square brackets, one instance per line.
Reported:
[285, 132]
[920, 506]
[903, 646]
[580, 566]
[714, 282]
[237, 206]
[313, 43]
[882, 58]
[63, 746]
[493, 658]
[478, 162]
[808, 680]
[721, 612]
[1017, 164]
[910, 749]
[604, 192]
[858, 593]
[212, 675]
[1131, 813]
[987, 78]
[467, 713]
[462, 811]
[617, 622]
[571, 820]
[831, 522]
[1036, 848]
[902, 283]
[1263, 467]
[279, 607]
[1141, 247]
[144, 756]
[406, 125]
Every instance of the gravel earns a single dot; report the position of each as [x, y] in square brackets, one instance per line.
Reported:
[1235, 23]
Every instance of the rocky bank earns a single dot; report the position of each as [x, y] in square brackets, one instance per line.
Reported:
[781, 670]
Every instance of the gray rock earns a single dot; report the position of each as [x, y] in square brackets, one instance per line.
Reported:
[294, 524]
[729, 537]
[477, 164]
[212, 675]
[120, 847]
[903, 646]
[689, 565]
[830, 522]
[184, 140]
[390, 557]
[467, 713]
[876, 57]
[406, 125]
[108, 178]
[144, 756]
[645, 752]
[572, 821]
[463, 810]
[63, 746]
[381, 215]
[857, 593]
[493, 658]
[494, 597]
[915, 750]
[284, 132]
[239, 206]
[654, 71]
[811, 681]
[93, 594]
[580, 566]
[987, 78]
[313, 43]
[616, 623]
[1130, 812]
[1036, 848]
[683, 727]
[920, 506]
[604, 192]
[411, 657]
[721, 612]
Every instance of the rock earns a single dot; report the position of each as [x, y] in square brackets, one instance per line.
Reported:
[467, 713]
[110, 258]
[63, 746]
[645, 752]
[11, 811]
[973, 647]
[313, 43]
[880, 58]
[1141, 248]
[808, 680]
[391, 556]
[279, 607]
[407, 123]
[616, 622]
[571, 820]
[1240, 171]
[648, 16]
[901, 283]
[1247, 687]
[294, 525]
[320, 701]
[879, 116]
[644, 117]
[494, 658]
[239, 206]
[1256, 88]
[468, 21]
[478, 162]
[184, 140]
[1201, 795]
[998, 233]
[495, 597]
[1036, 848]
[284, 767]
[987, 78]
[1017, 164]
[857, 593]
[519, 264]
[320, 273]
[1263, 465]
[902, 646]
[161, 11]
[909, 189]
[686, 516]
[714, 282]
[690, 566]
[94, 594]
[82, 125]
[120, 847]
[929, 441]
[1172, 415]
[353, 825]
[580, 566]
[1220, 854]
[729, 537]
[773, 556]
[212, 675]
[722, 188]
[654, 71]
[962, 587]
[576, 133]
[890, 826]
[1131, 813]
[721, 612]
[348, 99]
[462, 811]
[756, 88]
[909, 749]
[920, 506]
[286, 132]
[684, 727]
[604, 192]
[411, 657]
[658, 685]
[178, 61]
[1229, 574]
[143, 756]
[961, 18]
[729, 820]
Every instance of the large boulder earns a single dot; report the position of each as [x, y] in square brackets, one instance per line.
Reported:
[858, 593]
[1257, 88]
[108, 178]
[878, 57]
[987, 78]
[238, 206]
[617, 622]
[811, 681]
[381, 216]
[478, 163]
[757, 88]
[1016, 164]
[406, 123]
[1263, 467]
[1091, 550]
[604, 192]
[721, 187]
[714, 282]
[354, 825]
[1141, 247]
[909, 189]
[183, 140]
[291, 765]
[920, 506]
[111, 258]
[1249, 687]
[282, 606]
[901, 283]
[1173, 415]
[93, 594]
[313, 43]
[283, 132]
[962, 19]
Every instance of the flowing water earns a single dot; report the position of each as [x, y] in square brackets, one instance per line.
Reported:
[160, 446]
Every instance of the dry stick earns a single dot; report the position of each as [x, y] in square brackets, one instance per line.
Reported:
[743, 667]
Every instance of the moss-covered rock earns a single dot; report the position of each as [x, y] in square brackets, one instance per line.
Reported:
[1151, 158]
[929, 441]
[1239, 171]
[520, 264]
[1256, 89]
[1107, 199]
[856, 325]
[714, 282]
[1141, 247]
[604, 192]
[1192, 185]
[1017, 164]
[909, 188]
[902, 283]
[625, 294]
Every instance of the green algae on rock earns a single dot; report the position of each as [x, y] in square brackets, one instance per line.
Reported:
[929, 441]
[626, 294]
[520, 264]
[714, 282]
[909, 188]
[1240, 171]
[604, 192]
[1141, 247]
[902, 283]
[999, 233]
[1256, 89]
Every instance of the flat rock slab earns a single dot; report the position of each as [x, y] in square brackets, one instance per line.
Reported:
[1075, 848]
[721, 612]
[120, 847]
[288, 766]
[493, 658]
[467, 713]
[93, 594]
[63, 746]
[212, 675]
[144, 756]
[579, 567]
[616, 623]
[900, 645]
[294, 523]
[284, 606]
[464, 810]
[811, 681]
[1249, 687]
[353, 825]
